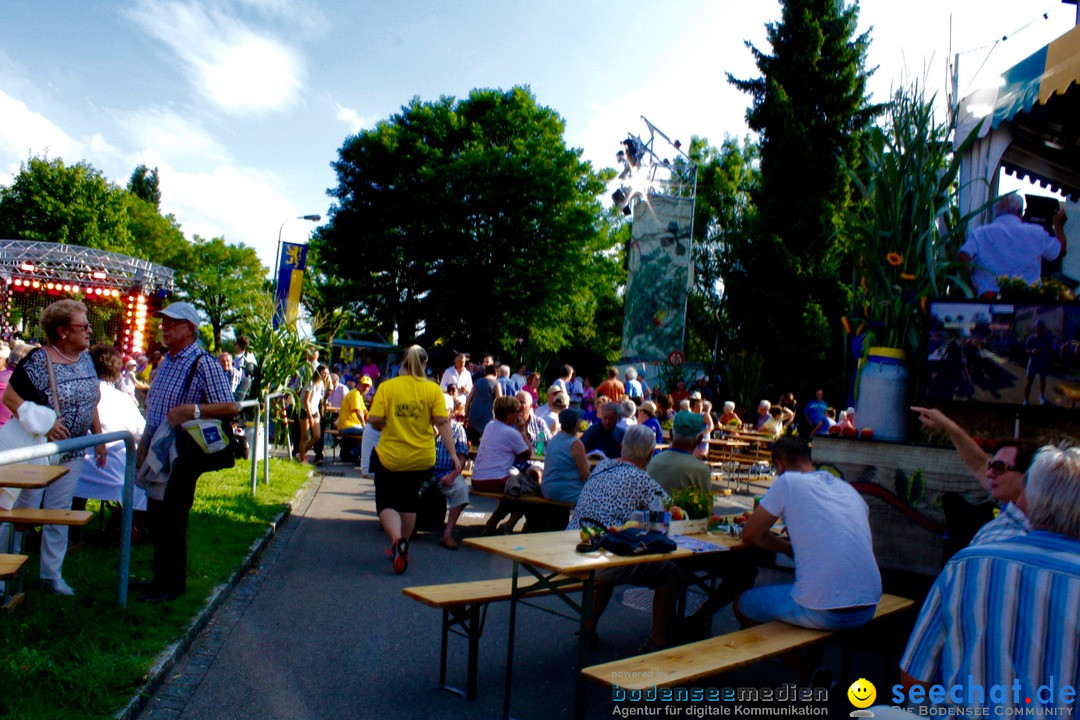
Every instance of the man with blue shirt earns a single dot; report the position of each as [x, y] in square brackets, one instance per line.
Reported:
[188, 385]
[1003, 614]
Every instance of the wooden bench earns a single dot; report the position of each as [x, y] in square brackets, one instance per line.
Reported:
[686, 664]
[541, 513]
[10, 565]
[23, 519]
[464, 605]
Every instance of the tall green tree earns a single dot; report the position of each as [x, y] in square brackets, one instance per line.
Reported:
[223, 281]
[74, 204]
[724, 212]
[787, 289]
[468, 223]
[144, 184]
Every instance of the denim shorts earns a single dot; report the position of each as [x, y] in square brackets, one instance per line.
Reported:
[774, 602]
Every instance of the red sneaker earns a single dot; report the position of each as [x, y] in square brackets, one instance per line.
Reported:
[401, 556]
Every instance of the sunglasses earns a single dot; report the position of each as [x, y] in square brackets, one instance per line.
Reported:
[85, 327]
[998, 466]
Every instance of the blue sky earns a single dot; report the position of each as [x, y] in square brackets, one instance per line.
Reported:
[242, 104]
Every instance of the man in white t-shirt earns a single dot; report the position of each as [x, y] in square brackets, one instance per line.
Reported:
[1009, 246]
[457, 375]
[837, 582]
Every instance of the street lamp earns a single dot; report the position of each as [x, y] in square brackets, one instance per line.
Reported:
[277, 257]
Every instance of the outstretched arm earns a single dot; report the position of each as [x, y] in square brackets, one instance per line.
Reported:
[970, 452]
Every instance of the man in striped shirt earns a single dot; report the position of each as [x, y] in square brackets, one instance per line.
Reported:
[1000, 624]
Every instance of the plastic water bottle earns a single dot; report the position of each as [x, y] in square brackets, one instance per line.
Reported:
[428, 483]
[657, 514]
[540, 444]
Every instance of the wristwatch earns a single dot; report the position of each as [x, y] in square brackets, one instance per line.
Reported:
[198, 412]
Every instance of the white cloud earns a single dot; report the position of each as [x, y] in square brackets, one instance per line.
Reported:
[24, 132]
[172, 135]
[230, 64]
[241, 204]
[352, 119]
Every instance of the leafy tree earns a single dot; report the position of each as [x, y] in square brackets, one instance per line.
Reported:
[53, 202]
[144, 185]
[788, 289]
[155, 237]
[468, 223]
[723, 213]
[222, 280]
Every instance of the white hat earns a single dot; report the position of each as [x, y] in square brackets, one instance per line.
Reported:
[180, 311]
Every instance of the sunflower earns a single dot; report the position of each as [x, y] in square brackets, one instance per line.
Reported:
[894, 259]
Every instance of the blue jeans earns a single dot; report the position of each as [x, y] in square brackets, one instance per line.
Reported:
[774, 602]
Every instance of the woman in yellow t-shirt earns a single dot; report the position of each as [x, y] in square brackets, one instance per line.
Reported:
[404, 411]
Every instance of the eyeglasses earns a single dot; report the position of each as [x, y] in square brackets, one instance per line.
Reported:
[85, 327]
[998, 466]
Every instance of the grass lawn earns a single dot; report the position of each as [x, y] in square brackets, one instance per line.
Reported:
[84, 656]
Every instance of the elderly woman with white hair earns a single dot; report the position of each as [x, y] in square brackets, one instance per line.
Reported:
[729, 419]
[614, 490]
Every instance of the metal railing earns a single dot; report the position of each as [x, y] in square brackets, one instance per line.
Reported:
[35, 452]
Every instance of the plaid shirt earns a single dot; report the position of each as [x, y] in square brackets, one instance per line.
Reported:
[208, 385]
[443, 464]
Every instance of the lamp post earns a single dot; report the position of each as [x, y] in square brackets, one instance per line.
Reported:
[277, 256]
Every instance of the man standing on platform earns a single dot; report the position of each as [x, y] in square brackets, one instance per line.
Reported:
[1009, 246]
[188, 385]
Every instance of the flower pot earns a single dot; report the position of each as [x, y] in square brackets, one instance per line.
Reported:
[882, 403]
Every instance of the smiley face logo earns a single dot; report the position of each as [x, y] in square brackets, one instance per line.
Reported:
[862, 693]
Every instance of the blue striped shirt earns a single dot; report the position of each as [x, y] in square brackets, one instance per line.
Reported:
[209, 385]
[1010, 522]
[443, 463]
[1002, 612]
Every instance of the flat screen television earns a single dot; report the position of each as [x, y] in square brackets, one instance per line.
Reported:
[985, 352]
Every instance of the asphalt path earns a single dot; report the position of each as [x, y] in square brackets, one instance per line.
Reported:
[320, 629]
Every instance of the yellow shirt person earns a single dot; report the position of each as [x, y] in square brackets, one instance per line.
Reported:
[407, 405]
[353, 412]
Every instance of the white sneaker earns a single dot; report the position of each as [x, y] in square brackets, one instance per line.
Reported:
[58, 586]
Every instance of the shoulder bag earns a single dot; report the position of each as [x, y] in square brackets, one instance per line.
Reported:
[207, 445]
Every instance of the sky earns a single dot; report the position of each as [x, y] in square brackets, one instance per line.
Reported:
[242, 105]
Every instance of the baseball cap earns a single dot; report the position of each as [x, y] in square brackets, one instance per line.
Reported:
[365, 380]
[688, 423]
[561, 400]
[180, 311]
[695, 395]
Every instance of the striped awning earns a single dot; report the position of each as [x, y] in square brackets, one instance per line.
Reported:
[1033, 115]
[1033, 81]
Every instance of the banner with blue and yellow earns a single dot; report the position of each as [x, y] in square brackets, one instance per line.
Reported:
[290, 280]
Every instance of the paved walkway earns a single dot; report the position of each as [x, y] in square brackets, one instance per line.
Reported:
[320, 629]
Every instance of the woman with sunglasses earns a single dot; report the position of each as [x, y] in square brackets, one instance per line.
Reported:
[58, 375]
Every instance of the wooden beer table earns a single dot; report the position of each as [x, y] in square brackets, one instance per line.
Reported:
[551, 558]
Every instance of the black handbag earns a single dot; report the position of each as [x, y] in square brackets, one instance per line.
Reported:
[636, 541]
[194, 454]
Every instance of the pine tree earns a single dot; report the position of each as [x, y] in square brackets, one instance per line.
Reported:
[810, 108]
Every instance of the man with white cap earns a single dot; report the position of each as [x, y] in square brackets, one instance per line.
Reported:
[190, 384]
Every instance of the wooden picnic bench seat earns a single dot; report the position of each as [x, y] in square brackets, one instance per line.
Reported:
[464, 605]
[23, 519]
[10, 565]
[686, 664]
[535, 499]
